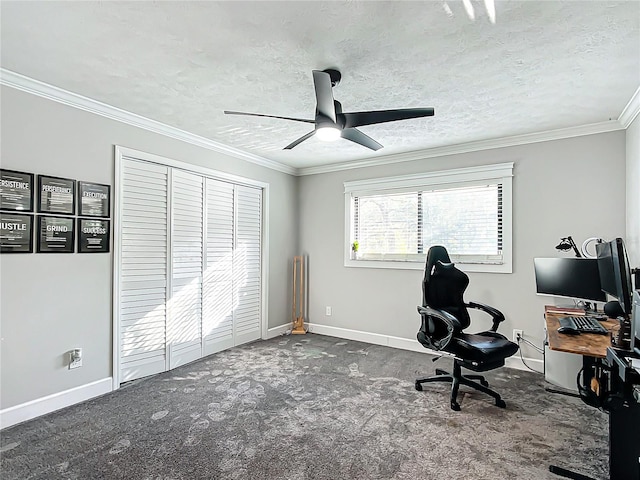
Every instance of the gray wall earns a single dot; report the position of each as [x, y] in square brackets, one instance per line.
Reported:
[633, 193]
[566, 187]
[52, 303]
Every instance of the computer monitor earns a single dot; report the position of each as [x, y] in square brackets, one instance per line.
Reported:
[576, 278]
[614, 272]
[635, 321]
[605, 267]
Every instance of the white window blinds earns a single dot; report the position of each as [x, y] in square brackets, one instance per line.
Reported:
[386, 224]
[396, 220]
[467, 220]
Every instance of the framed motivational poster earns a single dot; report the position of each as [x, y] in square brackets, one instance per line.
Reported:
[16, 191]
[16, 233]
[93, 199]
[56, 195]
[93, 235]
[55, 234]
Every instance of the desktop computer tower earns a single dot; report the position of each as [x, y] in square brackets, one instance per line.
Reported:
[561, 369]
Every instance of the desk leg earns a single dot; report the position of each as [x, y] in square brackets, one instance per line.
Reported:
[589, 365]
[568, 473]
[562, 392]
[624, 446]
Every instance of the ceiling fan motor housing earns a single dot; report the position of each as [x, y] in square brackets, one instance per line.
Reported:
[335, 76]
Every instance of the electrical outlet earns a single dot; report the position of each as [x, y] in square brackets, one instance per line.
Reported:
[327, 311]
[75, 358]
[517, 333]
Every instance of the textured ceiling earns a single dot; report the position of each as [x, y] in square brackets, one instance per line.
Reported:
[543, 65]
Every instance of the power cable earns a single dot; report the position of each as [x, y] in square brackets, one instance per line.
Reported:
[538, 349]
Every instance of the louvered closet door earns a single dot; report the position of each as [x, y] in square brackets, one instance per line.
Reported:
[217, 299]
[143, 278]
[247, 265]
[184, 321]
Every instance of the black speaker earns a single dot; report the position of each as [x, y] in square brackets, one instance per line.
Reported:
[613, 309]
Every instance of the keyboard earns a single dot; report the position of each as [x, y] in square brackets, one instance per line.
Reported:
[583, 324]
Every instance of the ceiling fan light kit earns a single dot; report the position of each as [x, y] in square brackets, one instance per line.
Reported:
[331, 123]
[328, 133]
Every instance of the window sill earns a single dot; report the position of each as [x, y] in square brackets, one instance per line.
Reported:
[465, 267]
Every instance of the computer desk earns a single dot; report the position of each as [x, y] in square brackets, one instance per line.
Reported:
[590, 345]
[624, 423]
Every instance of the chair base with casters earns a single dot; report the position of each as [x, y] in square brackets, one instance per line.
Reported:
[456, 379]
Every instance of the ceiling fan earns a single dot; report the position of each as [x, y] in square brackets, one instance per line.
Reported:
[331, 123]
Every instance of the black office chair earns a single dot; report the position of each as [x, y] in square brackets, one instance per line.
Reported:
[444, 318]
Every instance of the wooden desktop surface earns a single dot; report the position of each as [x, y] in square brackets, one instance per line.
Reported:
[589, 344]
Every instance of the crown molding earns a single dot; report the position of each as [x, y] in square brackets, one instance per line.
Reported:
[50, 92]
[631, 110]
[493, 143]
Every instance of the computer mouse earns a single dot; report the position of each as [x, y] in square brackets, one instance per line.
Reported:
[568, 331]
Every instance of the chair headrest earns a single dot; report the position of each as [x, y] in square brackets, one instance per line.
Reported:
[440, 266]
[436, 254]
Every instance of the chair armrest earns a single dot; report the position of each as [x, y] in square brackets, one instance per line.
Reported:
[446, 317]
[437, 328]
[496, 314]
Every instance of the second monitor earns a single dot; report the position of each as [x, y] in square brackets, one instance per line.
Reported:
[615, 274]
[576, 278]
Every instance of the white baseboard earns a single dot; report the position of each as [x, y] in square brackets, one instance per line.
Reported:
[277, 331]
[41, 406]
[368, 337]
[408, 344]
[533, 363]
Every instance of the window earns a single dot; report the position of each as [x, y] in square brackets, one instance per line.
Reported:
[395, 220]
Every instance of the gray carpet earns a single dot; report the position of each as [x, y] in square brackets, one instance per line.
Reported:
[310, 407]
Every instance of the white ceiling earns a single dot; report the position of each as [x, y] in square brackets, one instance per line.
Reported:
[543, 65]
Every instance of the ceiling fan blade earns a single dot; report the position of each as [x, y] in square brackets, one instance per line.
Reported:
[357, 136]
[358, 119]
[324, 95]
[300, 140]
[229, 112]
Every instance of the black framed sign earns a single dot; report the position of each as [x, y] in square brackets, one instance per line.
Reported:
[93, 199]
[16, 191]
[55, 234]
[93, 235]
[16, 233]
[56, 195]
